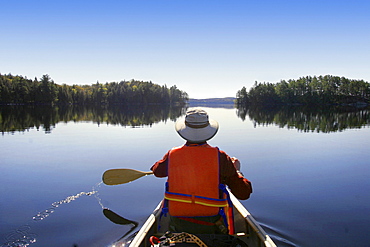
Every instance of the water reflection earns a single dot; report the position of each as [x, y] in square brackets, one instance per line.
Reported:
[306, 119]
[22, 118]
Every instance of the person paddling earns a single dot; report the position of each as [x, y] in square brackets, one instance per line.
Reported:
[195, 195]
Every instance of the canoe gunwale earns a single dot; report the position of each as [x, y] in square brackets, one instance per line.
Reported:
[142, 233]
[258, 230]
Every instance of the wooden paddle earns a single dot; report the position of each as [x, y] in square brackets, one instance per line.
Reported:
[122, 176]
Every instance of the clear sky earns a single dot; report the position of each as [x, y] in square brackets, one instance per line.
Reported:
[206, 48]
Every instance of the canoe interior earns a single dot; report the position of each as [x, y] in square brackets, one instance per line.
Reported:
[246, 228]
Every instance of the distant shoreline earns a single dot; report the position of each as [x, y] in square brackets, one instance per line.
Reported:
[226, 100]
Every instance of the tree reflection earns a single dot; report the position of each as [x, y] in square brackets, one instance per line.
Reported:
[22, 118]
[308, 119]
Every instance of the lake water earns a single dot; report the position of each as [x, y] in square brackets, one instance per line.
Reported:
[310, 172]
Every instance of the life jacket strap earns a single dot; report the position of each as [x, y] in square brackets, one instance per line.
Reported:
[228, 215]
[201, 200]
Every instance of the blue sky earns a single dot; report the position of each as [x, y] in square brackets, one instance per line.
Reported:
[206, 48]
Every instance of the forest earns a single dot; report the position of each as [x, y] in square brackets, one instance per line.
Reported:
[321, 90]
[20, 90]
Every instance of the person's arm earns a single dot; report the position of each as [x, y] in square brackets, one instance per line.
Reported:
[160, 167]
[233, 178]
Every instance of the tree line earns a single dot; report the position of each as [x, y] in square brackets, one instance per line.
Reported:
[321, 90]
[20, 90]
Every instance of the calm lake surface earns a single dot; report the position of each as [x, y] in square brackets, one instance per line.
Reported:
[309, 171]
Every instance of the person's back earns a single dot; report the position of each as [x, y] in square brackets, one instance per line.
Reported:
[195, 196]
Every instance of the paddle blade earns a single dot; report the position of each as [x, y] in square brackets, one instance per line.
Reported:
[122, 176]
[115, 218]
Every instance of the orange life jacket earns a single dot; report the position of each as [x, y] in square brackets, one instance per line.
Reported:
[193, 181]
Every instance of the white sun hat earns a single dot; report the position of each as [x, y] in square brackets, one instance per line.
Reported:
[196, 127]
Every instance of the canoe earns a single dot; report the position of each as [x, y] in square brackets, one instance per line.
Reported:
[246, 227]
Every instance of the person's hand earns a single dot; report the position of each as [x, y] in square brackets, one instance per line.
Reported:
[236, 163]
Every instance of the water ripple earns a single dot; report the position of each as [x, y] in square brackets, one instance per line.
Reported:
[281, 238]
[22, 237]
